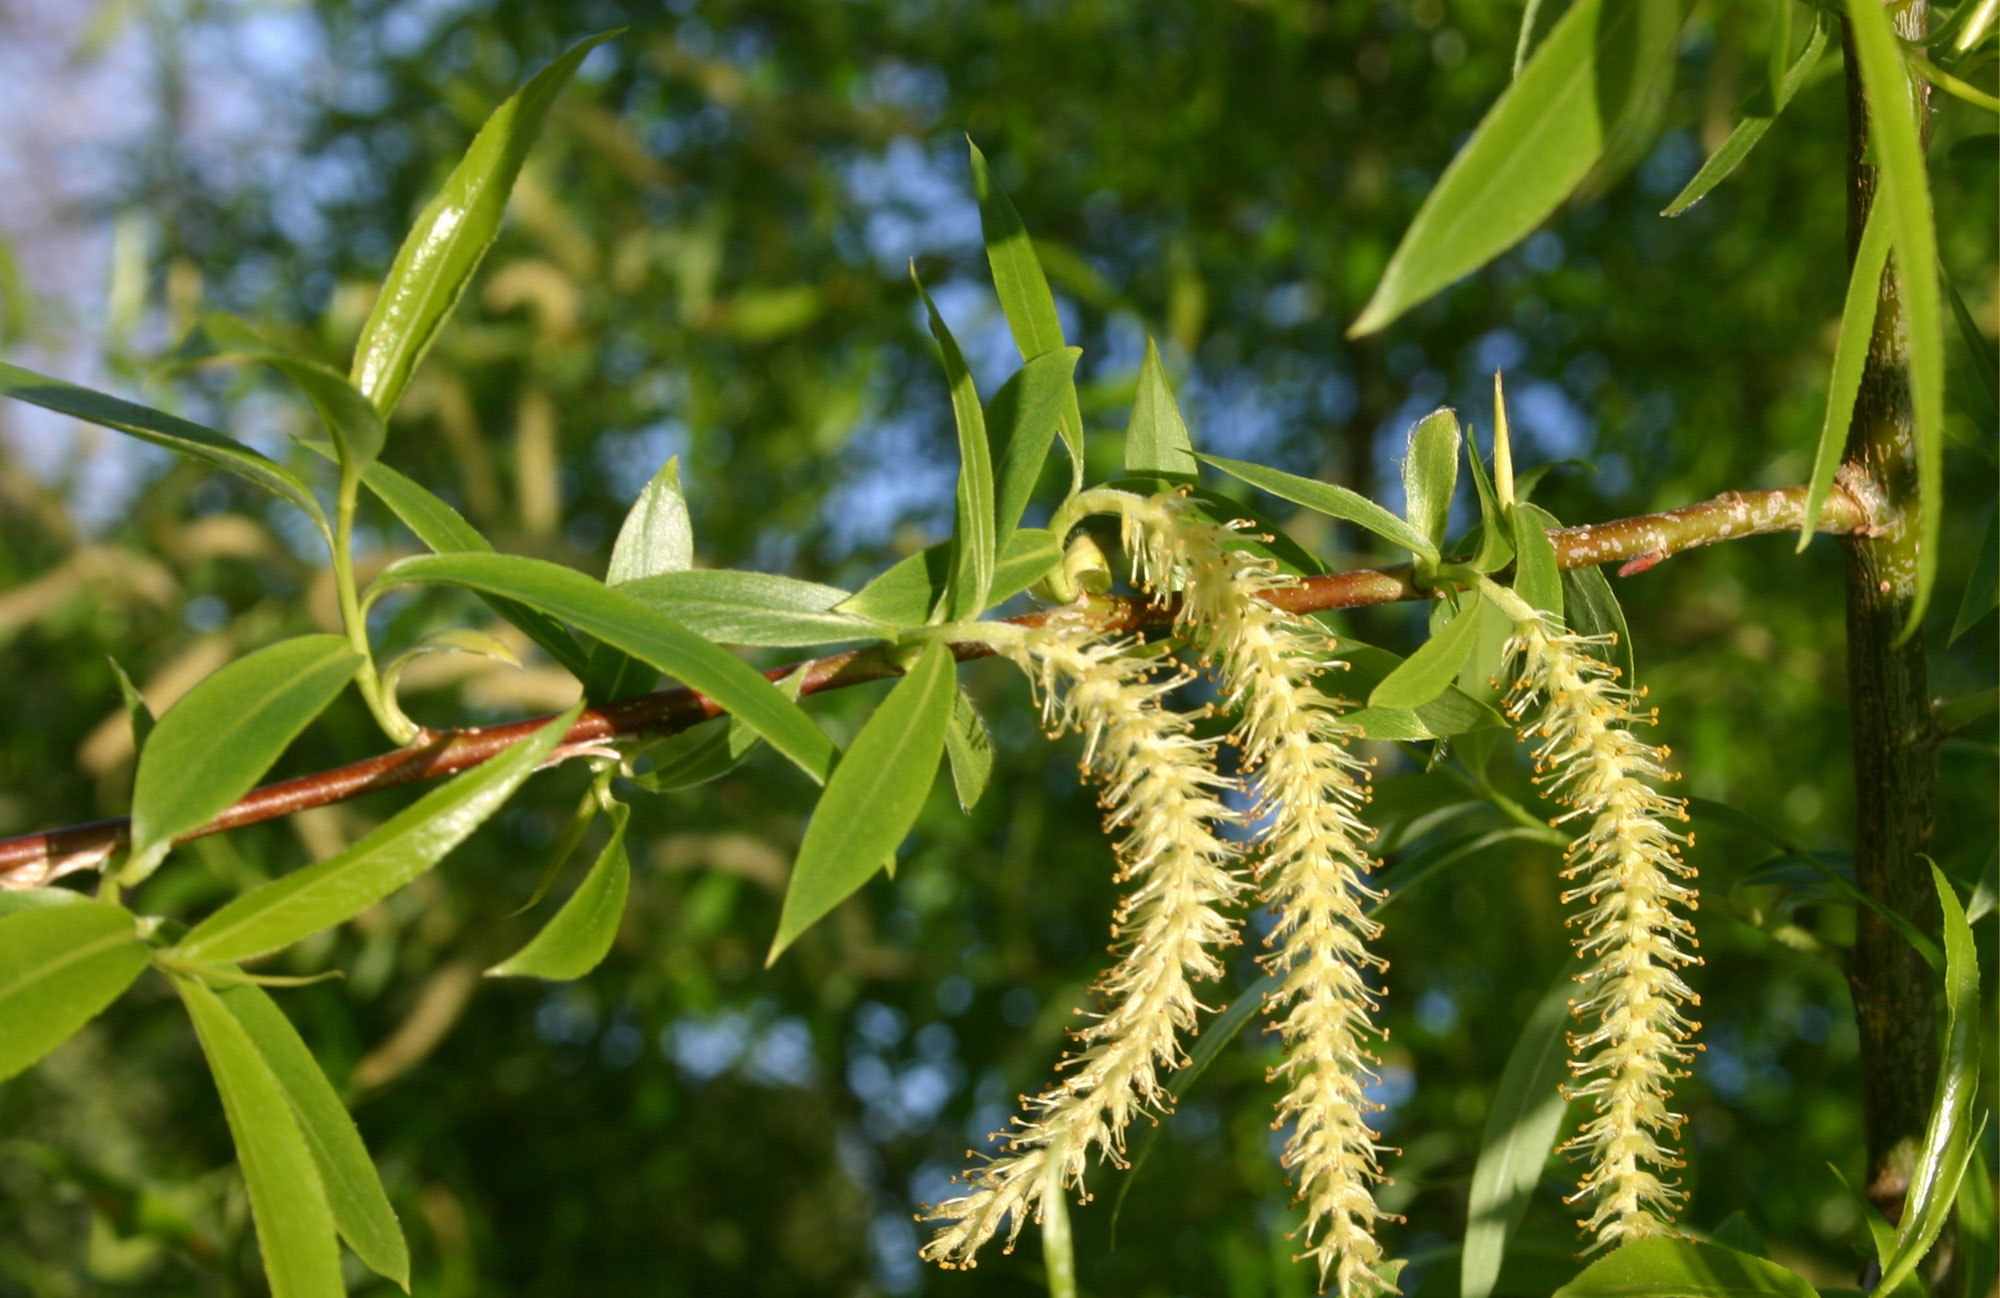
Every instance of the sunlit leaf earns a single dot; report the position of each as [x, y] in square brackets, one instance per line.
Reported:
[657, 535]
[622, 621]
[580, 936]
[1023, 418]
[1591, 608]
[324, 894]
[162, 429]
[1763, 110]
[353, 424]
[361, 1211]
[1537, 576]
[873, 796]
[903, 594]
[1602, 60]
[754, 608]
[222, 736]
[1156, 437]
[61, 962]
[1430, 473]
[1850, 357]
[1429, 671]
[450, 237]
[972, 533]
[1521, 1129]
[1669, 1267]
[1327, 498]
[969, 748]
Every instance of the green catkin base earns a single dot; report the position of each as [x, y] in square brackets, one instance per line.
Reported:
[1629, 863]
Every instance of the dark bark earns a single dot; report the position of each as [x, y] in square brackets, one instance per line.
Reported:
[1895, 764]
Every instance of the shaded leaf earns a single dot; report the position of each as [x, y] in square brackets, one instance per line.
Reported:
[1023, 418]
[1982, 589]
[162, 429]
[873, 796]
[1327, 498]
[1757, 118]
[972, 532]
[1599, 63]
[903, 594]
[623, 622]
[1537, 577]
[969, 748]
[324, 894]
[1156, 437]
[1850, 356]
[1983, 362]
[137, 710]
[354, 1194]
[1590, 608]
[754, 608]
[295, 1229]
[1666, 1267]
[580, 935]
[1430, 473]
[61, 963]
[1429, 671]
[222, 736]
[691, 758]
[1520, 1132]
[451, 235]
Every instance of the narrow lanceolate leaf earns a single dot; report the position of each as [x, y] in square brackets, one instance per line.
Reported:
[1537, 576]
[161, 429]
[873, 797]
[451, 236]
[295, 1228]
[581, 934]
[354, 1194]
[657, 535]
[1850, 355]
[1024, 294]
[754, 608]
[1156, 437]
[60, 964]
[137, 710]
[213, 745]
[1667, 1267]
[969, 748]
[689, 759]
[623, 622]
[1429, 671]
[1763, 110]
[1327, 498]
[972, 532]
[1982, 589]
[903, 594]
[1521, 1130]
[445, 531]
[1022, 419]
[1591, 607]
[329, 892]
[1905, 187]
[1948, 1138]
[1981, 351]
[1602, 59]
[1496, 537]
[352, 423]
[1430, 473]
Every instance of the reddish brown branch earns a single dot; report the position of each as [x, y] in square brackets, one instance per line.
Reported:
[33, 859]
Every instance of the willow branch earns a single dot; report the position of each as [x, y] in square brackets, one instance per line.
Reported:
[31, 860]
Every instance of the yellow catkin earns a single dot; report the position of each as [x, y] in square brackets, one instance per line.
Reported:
[1312, 870]
[1633, 930]
[1161, 791]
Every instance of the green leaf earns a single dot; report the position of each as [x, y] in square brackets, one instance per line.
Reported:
[1976, 343]
[1666, 1267]
[1429, 671]
[904, 594]
[12, 901]
[1537, 577]
[1948, 1137]
[1982, 589]
[1850, 357]
[1590, 608]
[361, 1211]
[1905, 187]
[1024, 294]
[213, 746]
[691, 758]
[1265, 539]
[1156, 438]
[1600, 63]
[1430, 473]
[329, 892]
[451, 235]
[1762, 111]
[1976, 1227]
[969, 748]
[1024, 416]
[136, 708]
[162, 429]
[60, 964]
[295, 1228]
[1453, 712]
[972, 531]
[441, 527]
[873, 796]
[657, 535]
[581, 934]
[1326, 498]
[754, 608]
[354, 425]
[1496, 545]
[1521, 1129]
[623, 622]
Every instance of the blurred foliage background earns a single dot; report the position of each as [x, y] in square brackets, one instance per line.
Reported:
[707, 258]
